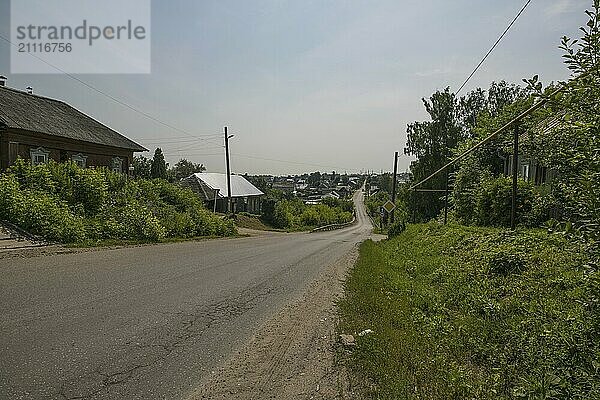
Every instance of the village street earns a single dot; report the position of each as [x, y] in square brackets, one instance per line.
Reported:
[150, 321]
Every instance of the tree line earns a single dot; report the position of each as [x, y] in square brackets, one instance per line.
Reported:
[157, 167]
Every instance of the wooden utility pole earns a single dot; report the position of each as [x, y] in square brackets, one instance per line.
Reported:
[515, 174]
[229, 208]
[394, 185]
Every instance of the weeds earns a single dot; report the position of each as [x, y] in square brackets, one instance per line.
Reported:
[474, 313]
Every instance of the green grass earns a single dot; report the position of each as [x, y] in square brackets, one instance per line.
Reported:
[248, 221]
[473, 313]
[133, 243]
[255, 222]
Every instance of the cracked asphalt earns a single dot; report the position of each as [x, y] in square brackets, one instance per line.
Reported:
[151, 322]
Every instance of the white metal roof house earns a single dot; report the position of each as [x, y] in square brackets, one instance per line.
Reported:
[212, 188]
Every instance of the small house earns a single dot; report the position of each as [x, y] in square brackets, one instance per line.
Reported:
[40, 129]
[212, 188]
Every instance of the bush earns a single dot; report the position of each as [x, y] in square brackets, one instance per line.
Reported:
[69, 204]
[38, 212]
[494, 201]
[282, 215]
[396, 228]
[294, 214]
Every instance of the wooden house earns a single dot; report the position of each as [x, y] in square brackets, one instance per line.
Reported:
[40, 129]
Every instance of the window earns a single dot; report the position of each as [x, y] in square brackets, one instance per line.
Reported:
[80, 160]
[39, 156]
[117, 164]
[13, 152]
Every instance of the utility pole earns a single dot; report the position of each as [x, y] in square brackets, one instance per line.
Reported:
[394, 185]
[515, 173]
[229, 208]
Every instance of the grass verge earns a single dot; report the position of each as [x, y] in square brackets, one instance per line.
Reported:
[473, 313]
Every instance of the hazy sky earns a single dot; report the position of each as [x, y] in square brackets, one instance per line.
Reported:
[321, 85]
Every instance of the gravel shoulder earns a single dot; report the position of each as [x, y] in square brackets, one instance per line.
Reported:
[292, 356]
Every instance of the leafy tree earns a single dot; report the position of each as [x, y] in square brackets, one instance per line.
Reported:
[571, 146]
[501, 94]
[142, 167]
[314, 179]
[469, 108]
[431, 143]
[184, 168]
[159, 166]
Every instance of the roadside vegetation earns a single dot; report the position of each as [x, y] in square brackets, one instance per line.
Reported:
[251, 221]
[374, 202]
[68, 204]
[291, 214]
[474, 313]
[470, 309]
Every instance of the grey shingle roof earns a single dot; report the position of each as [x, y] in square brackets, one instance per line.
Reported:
[20, 110]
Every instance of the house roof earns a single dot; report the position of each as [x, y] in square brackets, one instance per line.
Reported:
[240, 187]
[21, 110]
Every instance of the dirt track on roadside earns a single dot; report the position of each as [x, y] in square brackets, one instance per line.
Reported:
[292, 356]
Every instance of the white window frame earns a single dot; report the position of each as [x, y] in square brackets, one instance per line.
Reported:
[117, 165]
[39, 152]
[80, 160]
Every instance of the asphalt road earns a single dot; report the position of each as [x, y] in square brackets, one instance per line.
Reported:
[148, 322]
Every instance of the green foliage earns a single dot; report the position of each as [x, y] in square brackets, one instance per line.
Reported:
[455, 125]
[283, 215]
[375, 202]
[69, 204]
[38, 212]
[396, 228]
[474, 313]
[494, 201]
[159, 165]
[294, 214]
[344, 205]
[465, 190]
[582, 55]
[142, 167]
[287, 212]
[184, 168]
[431, 143]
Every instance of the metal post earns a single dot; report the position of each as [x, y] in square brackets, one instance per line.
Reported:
[515, 172]
[228, 172]
[394, 185]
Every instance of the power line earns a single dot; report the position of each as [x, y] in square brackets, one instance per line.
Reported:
[191, 155]
[487, 139]
[176, 139]
[493, 47]
[195, 147]
[111, 97]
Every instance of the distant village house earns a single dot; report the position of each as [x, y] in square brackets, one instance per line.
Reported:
[212, 188]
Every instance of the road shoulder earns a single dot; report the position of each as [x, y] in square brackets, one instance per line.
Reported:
[292, 356]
